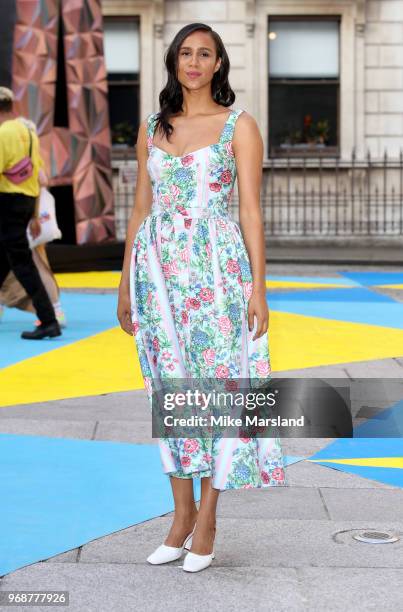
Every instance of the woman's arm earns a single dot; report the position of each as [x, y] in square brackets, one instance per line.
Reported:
[141, 208]
[247, 145]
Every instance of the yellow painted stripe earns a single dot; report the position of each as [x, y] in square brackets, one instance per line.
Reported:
[397, 286]
[280, 284]
[103, 363]
[385, 462]
[110, 280]
[90, 280]
[107, 362]
[300, 341]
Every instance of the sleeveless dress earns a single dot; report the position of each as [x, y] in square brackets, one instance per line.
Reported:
[190, 282]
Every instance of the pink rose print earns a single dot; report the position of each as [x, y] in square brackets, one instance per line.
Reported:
[231, 385]
[265, 477]
[232, 266]
[173, 309]
[188, 223]
[166, 199]
[154, 360]
[206, 294]
[226, 176]
[192, 303]
[185, 461]
[184, 254]
[209, 356]
[149, 298]
[166, 355]
[222, 224]
[187, 160]
[208, 249]
[222, 371]
[228, 146]
[278, 473]
[245, 440]
[185, 317]
[175, 190]
[247, 289]
[191, 446]
[166, 268]
[170, 366]
[208, 458]
[181, 209]
[215, 186]
[135, 327]
[225, 325]
[148, 384]
[173, 266]
[262, 367]
[156, 344]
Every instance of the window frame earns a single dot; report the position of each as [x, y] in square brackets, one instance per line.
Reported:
[329, 151]
[351, 70]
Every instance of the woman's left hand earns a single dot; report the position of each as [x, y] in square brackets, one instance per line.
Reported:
[34, 227]
[257, 306]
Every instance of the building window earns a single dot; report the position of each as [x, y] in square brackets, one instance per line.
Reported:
[303, 86]
[121, 48]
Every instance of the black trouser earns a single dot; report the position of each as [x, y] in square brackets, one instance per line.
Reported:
[16, 209]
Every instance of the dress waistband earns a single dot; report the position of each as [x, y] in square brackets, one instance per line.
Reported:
[192, 212]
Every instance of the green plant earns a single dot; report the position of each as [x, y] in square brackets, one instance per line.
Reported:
[123, 133]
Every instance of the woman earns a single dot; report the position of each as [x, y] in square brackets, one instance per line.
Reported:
[187, 291]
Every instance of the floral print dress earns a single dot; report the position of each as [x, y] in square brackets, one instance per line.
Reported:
[190, 282]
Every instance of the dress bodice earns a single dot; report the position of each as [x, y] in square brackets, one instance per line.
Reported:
[199, 183]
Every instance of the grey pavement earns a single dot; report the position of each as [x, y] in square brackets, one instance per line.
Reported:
[280, 549]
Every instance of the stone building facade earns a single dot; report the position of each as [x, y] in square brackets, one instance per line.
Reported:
[326, 136]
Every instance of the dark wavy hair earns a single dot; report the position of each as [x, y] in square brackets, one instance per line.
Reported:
[171, 97]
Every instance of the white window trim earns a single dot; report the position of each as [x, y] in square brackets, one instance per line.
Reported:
[351, 128]
[150, 16]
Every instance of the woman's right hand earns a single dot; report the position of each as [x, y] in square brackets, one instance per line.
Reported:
[124, 312]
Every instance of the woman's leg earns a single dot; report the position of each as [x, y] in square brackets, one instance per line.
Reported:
[203, 539]
[185, 511]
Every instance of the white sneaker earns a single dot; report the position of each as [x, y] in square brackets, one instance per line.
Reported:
[165, 554]
[196, 563]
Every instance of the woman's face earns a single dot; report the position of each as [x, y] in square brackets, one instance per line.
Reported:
[197, 60]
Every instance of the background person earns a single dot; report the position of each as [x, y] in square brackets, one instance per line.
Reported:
[12, 294]
[17, 207]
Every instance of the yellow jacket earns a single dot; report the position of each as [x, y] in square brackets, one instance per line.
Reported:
[14, 146]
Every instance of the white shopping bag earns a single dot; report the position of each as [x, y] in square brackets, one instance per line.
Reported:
[47, 218]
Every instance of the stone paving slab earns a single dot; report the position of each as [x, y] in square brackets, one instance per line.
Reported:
[78, 430]
[275, 543]
[104, 587]
[364, 504]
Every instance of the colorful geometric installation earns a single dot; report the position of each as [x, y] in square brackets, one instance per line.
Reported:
[76, 154]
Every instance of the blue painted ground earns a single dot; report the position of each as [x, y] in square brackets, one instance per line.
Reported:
[87, 314]
[59, 493]
[375, 278]
[362, 446]
[357, 305]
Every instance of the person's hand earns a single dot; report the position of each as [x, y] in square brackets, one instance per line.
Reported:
[34, 227]
[257, 307]
[124, 312]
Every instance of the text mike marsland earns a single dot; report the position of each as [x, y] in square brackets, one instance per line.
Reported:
[228, 421]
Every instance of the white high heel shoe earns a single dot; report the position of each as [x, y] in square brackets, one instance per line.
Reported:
[196, 563]
[165, 554]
